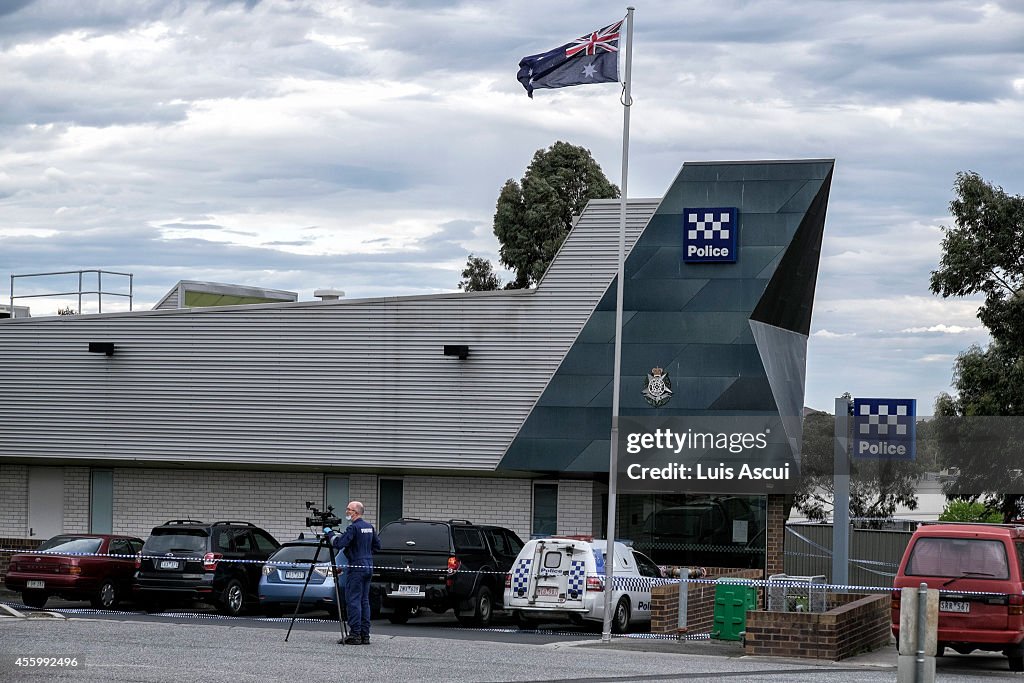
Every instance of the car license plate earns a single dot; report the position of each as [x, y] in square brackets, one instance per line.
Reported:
[407, 589]
[295, 574]
[35, 584]
[169, 564]
[950, 606]
[547, 591]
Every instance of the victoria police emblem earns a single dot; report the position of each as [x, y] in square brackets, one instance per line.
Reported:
[657, 388]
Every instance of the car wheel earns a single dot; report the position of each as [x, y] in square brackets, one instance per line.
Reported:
[620, 618]
[482, 606]
[106, 596]
[1016, 662]
[34, 598]
[232, 599]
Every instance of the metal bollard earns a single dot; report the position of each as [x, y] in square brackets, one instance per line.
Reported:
[922, 623]
[684, 595]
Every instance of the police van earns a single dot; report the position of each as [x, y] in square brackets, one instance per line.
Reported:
[564, 578]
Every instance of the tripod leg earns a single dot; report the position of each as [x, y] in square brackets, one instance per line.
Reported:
[342, 611]
[309, 575]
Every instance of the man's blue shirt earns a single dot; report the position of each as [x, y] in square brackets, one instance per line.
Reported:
[359, 542]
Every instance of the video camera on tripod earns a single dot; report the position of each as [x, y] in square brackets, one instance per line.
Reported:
[321, 519]
[325, 518]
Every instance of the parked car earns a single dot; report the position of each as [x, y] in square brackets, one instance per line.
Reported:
[284, 576]
[968, 563]
[192, 560]
[442, 565]
[93, 567]
[564, 578]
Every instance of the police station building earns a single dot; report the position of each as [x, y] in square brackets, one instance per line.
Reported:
[488, 406]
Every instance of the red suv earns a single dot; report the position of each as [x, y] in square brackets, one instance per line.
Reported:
[978, 571]
[94, 567]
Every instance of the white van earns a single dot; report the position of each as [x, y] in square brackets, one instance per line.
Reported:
[564, 577]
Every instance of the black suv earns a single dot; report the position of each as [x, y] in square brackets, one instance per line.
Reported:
[442, 565]
[184, 560]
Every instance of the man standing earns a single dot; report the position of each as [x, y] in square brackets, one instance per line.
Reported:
[359, 542]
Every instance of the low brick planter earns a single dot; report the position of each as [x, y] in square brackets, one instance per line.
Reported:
[700, 605]
[855, 624]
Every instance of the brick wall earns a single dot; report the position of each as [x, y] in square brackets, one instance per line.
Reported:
[775, 537]
[145, 497]
[859, 625]
[14, 501]
[76, 500]
[363, 487]
[700, 602]
[575, 498]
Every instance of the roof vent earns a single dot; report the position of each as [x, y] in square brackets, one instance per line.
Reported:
[328, 294]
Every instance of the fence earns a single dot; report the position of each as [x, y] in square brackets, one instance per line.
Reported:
[874, 554]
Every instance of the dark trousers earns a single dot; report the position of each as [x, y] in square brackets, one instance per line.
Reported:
[357, 600]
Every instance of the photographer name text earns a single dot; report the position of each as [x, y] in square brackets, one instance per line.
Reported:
[700, 472]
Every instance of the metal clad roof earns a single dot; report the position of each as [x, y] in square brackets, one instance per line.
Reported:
[360, 383]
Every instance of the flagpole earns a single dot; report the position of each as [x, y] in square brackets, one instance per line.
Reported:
[613, 460]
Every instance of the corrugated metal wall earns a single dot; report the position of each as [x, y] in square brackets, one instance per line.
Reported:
[360, 383]
[874, 554]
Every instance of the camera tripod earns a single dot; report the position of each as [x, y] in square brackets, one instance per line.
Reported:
[322, 541]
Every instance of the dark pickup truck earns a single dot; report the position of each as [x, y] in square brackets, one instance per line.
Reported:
[442, 565]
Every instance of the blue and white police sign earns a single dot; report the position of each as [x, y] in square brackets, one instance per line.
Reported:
[884, 428]
[710, 235]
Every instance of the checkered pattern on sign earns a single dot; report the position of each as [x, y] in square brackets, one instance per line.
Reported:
[709, 225]
[577, 576]
[521, 576]
[883, 420]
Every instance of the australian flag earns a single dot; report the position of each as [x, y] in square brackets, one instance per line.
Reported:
[593, 58]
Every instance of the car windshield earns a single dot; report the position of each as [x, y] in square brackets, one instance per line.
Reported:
[179, 540]
[415, 535]
[301, 554]
[958, 557]
[71, 544]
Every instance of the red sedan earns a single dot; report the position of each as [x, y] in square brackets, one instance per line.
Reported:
[94, 567]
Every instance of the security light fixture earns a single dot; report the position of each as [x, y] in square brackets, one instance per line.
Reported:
[102, 347]
[460, 350]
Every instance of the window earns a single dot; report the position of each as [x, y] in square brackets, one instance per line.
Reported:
[336, 494]
[101, 502]
[545, 509]
[646, 566]
[498, 542]
[390, 501]
[119, 546]
[958, 557]
[264, 543]
[467, 540]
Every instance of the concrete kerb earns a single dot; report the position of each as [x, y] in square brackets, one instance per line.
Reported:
[882, 658]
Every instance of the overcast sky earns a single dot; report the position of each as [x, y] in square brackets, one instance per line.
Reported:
[361, 145]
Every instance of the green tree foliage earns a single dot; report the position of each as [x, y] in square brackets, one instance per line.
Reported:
[479, 276]
[969, 511]
[534, 215]
[67, 310]
[877, 487]
[983, 253]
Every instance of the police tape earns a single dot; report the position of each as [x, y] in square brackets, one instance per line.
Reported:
[620, 582]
